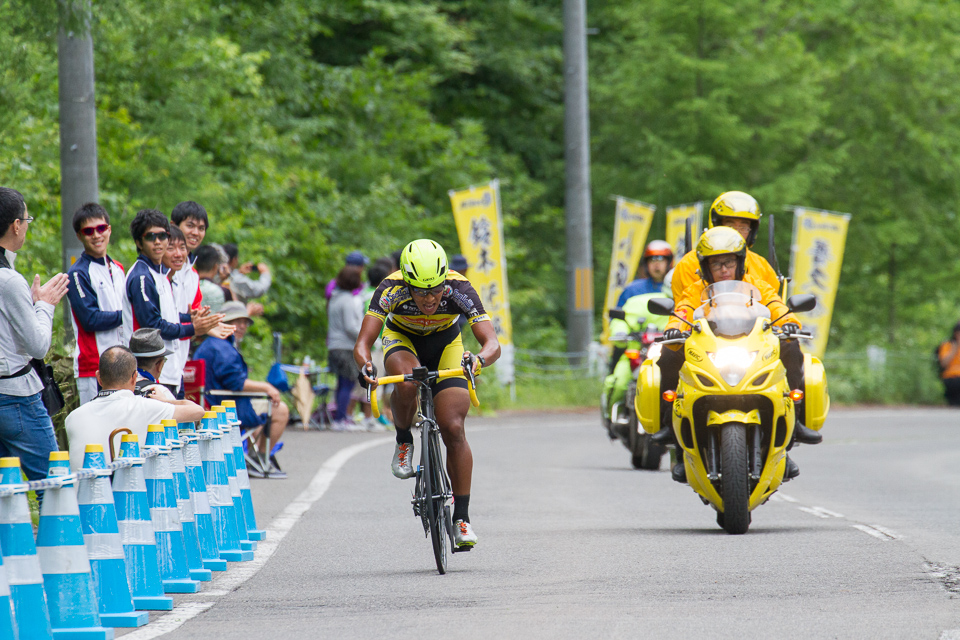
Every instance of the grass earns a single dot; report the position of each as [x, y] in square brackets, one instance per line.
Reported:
[534, 394]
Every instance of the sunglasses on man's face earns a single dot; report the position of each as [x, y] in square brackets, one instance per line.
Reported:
[423, 293]
[153, 237]
[100, 228]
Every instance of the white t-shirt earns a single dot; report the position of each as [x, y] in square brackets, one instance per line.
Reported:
[92, 422]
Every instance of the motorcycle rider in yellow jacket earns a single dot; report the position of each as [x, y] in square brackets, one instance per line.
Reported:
[722, 254]
[740, 212]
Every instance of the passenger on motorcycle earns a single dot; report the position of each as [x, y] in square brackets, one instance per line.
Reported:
[740, 212]
[721, 253]
[656, 261]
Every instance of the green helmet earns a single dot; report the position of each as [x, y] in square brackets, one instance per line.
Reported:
[423, 264]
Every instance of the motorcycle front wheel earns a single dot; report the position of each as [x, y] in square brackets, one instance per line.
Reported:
[734, 479]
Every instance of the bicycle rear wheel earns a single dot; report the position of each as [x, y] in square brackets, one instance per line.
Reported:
[434, 492]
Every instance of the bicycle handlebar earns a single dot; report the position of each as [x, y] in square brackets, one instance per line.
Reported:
[431, 375]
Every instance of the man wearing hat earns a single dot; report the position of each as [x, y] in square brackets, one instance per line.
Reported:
[151, 354]
[227, 370]
[117, 406]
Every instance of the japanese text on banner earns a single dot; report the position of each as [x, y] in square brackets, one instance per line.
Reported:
[677, 226]
[819, 238]
[476, 212]
[630, 229]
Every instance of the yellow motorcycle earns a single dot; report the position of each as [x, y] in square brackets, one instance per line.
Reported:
[733, 411]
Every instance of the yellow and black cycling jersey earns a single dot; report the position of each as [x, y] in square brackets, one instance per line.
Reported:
[393, 303]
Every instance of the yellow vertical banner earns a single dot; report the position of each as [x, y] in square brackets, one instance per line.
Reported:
[819, 238]
[630, 229]
[477, 214]
[677, 226]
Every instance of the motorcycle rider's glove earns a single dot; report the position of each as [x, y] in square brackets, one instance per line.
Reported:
[790, 328]
[672, 334]
[369, 370]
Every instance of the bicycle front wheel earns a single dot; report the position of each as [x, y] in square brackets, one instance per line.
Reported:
[434, 492]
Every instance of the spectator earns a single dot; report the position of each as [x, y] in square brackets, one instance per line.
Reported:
[95, 291]
[148, 296]
[949, 358]
[175, 258]
[355, 261]
[147, 347]
[245, 288]
[226, 369]
[191, 219]
[118, 406]
[344, 318]
[208, 268]
[26, 323]
[458, 263]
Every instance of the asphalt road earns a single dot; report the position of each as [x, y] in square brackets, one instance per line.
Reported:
[576, 544]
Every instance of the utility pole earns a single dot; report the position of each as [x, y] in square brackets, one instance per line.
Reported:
[78, 126]
[577, 160]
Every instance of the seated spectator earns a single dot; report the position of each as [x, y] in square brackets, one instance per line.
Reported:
[245, 288]
[151, 353]
[227, 370]
[118, 406]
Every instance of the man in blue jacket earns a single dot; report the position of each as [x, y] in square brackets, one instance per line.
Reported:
[95, 292]
[227, 370]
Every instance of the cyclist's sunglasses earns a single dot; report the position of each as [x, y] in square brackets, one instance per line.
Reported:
[423, 293]
[100, 228]
[153, 237]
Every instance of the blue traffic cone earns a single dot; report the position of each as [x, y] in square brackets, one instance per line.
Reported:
[136, 531]
[226, 427]
[209, 551]
[21, 561]
[188, 520]
[162, 498]
[98, 517]
[243, 478]
[8, 621]
[218, 489]
[71, 599]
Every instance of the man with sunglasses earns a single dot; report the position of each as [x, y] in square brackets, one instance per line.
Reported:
[148, 295]
[417, 307]
[95, 292]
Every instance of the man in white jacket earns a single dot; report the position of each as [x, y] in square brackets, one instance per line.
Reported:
[26, 323]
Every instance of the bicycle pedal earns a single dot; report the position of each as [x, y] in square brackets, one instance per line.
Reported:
[463, 548]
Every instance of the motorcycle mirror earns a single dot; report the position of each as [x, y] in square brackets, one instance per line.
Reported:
[802, 302]
[616, 314]
[660, 306]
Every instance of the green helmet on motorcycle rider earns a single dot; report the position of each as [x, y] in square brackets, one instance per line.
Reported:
[740, 212]
[722, 255]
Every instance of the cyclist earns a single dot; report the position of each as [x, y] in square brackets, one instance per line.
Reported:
[418, 307]
[722, 254]
[657, 260]
[740, 212]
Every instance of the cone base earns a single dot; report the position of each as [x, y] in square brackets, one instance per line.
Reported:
[256, 534]
[153, 603]
[132, 619]
[215, 565]
[180, 586]
[203, 575]
[84, 633]
[248, 545]
[237, 556]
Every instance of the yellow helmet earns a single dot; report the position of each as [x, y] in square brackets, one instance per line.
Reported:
[736, 204]
[719, 241]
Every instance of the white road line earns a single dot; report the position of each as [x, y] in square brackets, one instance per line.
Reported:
[877, 532]
[278, 528]
[952, 634]
[786, 498]
[813, 511]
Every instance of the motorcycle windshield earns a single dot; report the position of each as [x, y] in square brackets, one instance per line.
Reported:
[731, 308]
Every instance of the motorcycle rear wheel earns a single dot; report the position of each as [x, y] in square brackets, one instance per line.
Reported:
[643, 453]
[734, 479]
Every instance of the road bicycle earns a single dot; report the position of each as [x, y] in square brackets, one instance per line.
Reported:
[432, 492]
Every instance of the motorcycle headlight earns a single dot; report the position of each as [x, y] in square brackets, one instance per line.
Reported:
[732, 363]
[653, 351]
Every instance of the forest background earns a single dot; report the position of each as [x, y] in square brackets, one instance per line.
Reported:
[310, 129]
